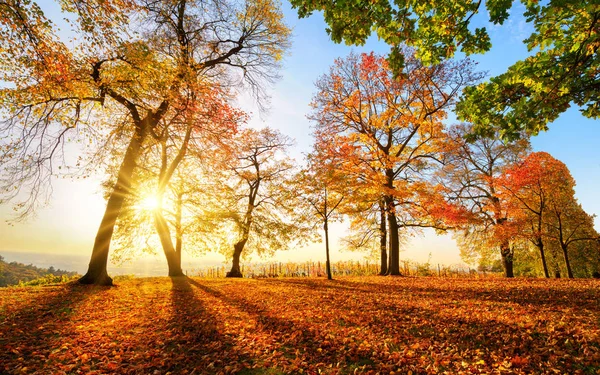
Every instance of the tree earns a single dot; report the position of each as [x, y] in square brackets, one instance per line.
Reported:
[472, 173]
[253, 202]
[533, 92]
[191, 221]
[531, 186]
[542, 189]
[569, 224]
[203, 113]
[173, 46]
[322, 185]
[366, 203]
[193, 129]
[435, 29]
[392, 133]
[563, 70]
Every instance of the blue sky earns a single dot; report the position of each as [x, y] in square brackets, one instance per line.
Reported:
[69, 224]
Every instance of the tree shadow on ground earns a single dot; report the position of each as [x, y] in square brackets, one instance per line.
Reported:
[299, 344]
[273, 327]
[197, 341]
[404, 334]
[31, 333]
[538, 293]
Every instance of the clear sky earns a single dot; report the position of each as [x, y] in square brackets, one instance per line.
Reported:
[69, 224]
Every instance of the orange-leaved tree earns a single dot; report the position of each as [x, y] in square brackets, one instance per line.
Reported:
[472, 175]
[532, 187]
[394, 130]
[46, 98]
[541, 190]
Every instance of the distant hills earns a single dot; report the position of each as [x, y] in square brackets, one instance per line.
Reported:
[12, 273]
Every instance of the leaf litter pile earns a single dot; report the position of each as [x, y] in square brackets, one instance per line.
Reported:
[367, 325]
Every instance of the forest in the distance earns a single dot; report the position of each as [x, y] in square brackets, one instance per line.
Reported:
[15, 273]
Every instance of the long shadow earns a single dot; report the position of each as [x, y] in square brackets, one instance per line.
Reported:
[412, 329]
[320, 284]
[29, 335]
[538, 294]
[195, 341]
[299, 341]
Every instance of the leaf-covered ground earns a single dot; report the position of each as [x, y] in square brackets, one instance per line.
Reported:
[368, 325]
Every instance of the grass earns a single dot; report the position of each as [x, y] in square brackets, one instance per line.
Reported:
[354, 325]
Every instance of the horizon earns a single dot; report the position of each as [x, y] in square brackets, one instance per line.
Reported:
[154, 265]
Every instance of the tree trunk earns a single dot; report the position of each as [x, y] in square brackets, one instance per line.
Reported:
[507, 260]
[162, 229]
[567, 262]
[540, 245]
[328, 264]
[383, 240]
[97, 273]
[164, 232]
[389, 257]
[505, 250]
[178, 229]
[235, 266]
[394, 266]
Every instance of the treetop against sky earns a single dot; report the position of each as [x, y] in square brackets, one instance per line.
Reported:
[69, 223]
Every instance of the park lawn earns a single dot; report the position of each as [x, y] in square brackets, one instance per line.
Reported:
[353, 325]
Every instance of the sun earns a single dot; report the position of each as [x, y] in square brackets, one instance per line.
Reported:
[148, 203]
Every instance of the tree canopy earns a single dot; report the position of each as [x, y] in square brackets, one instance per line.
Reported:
[389, 132]
[153, 57]
[563, 68]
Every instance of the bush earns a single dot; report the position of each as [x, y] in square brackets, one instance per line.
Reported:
[49, 279]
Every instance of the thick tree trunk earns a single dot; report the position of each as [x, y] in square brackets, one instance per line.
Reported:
[394, 266]
[567, 262]
[389, 257]
[505, 250]
[328, 263]
[235, 266]
[178, 229]
[97, 273]
[383, 240]
[173, 259]
[507, 260]
[540, 245]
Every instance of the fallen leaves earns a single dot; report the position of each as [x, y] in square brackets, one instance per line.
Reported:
[368, 325]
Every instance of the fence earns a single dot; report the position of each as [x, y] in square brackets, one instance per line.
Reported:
[342, 268]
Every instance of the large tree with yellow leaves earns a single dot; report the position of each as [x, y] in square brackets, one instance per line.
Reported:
[131, 61]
